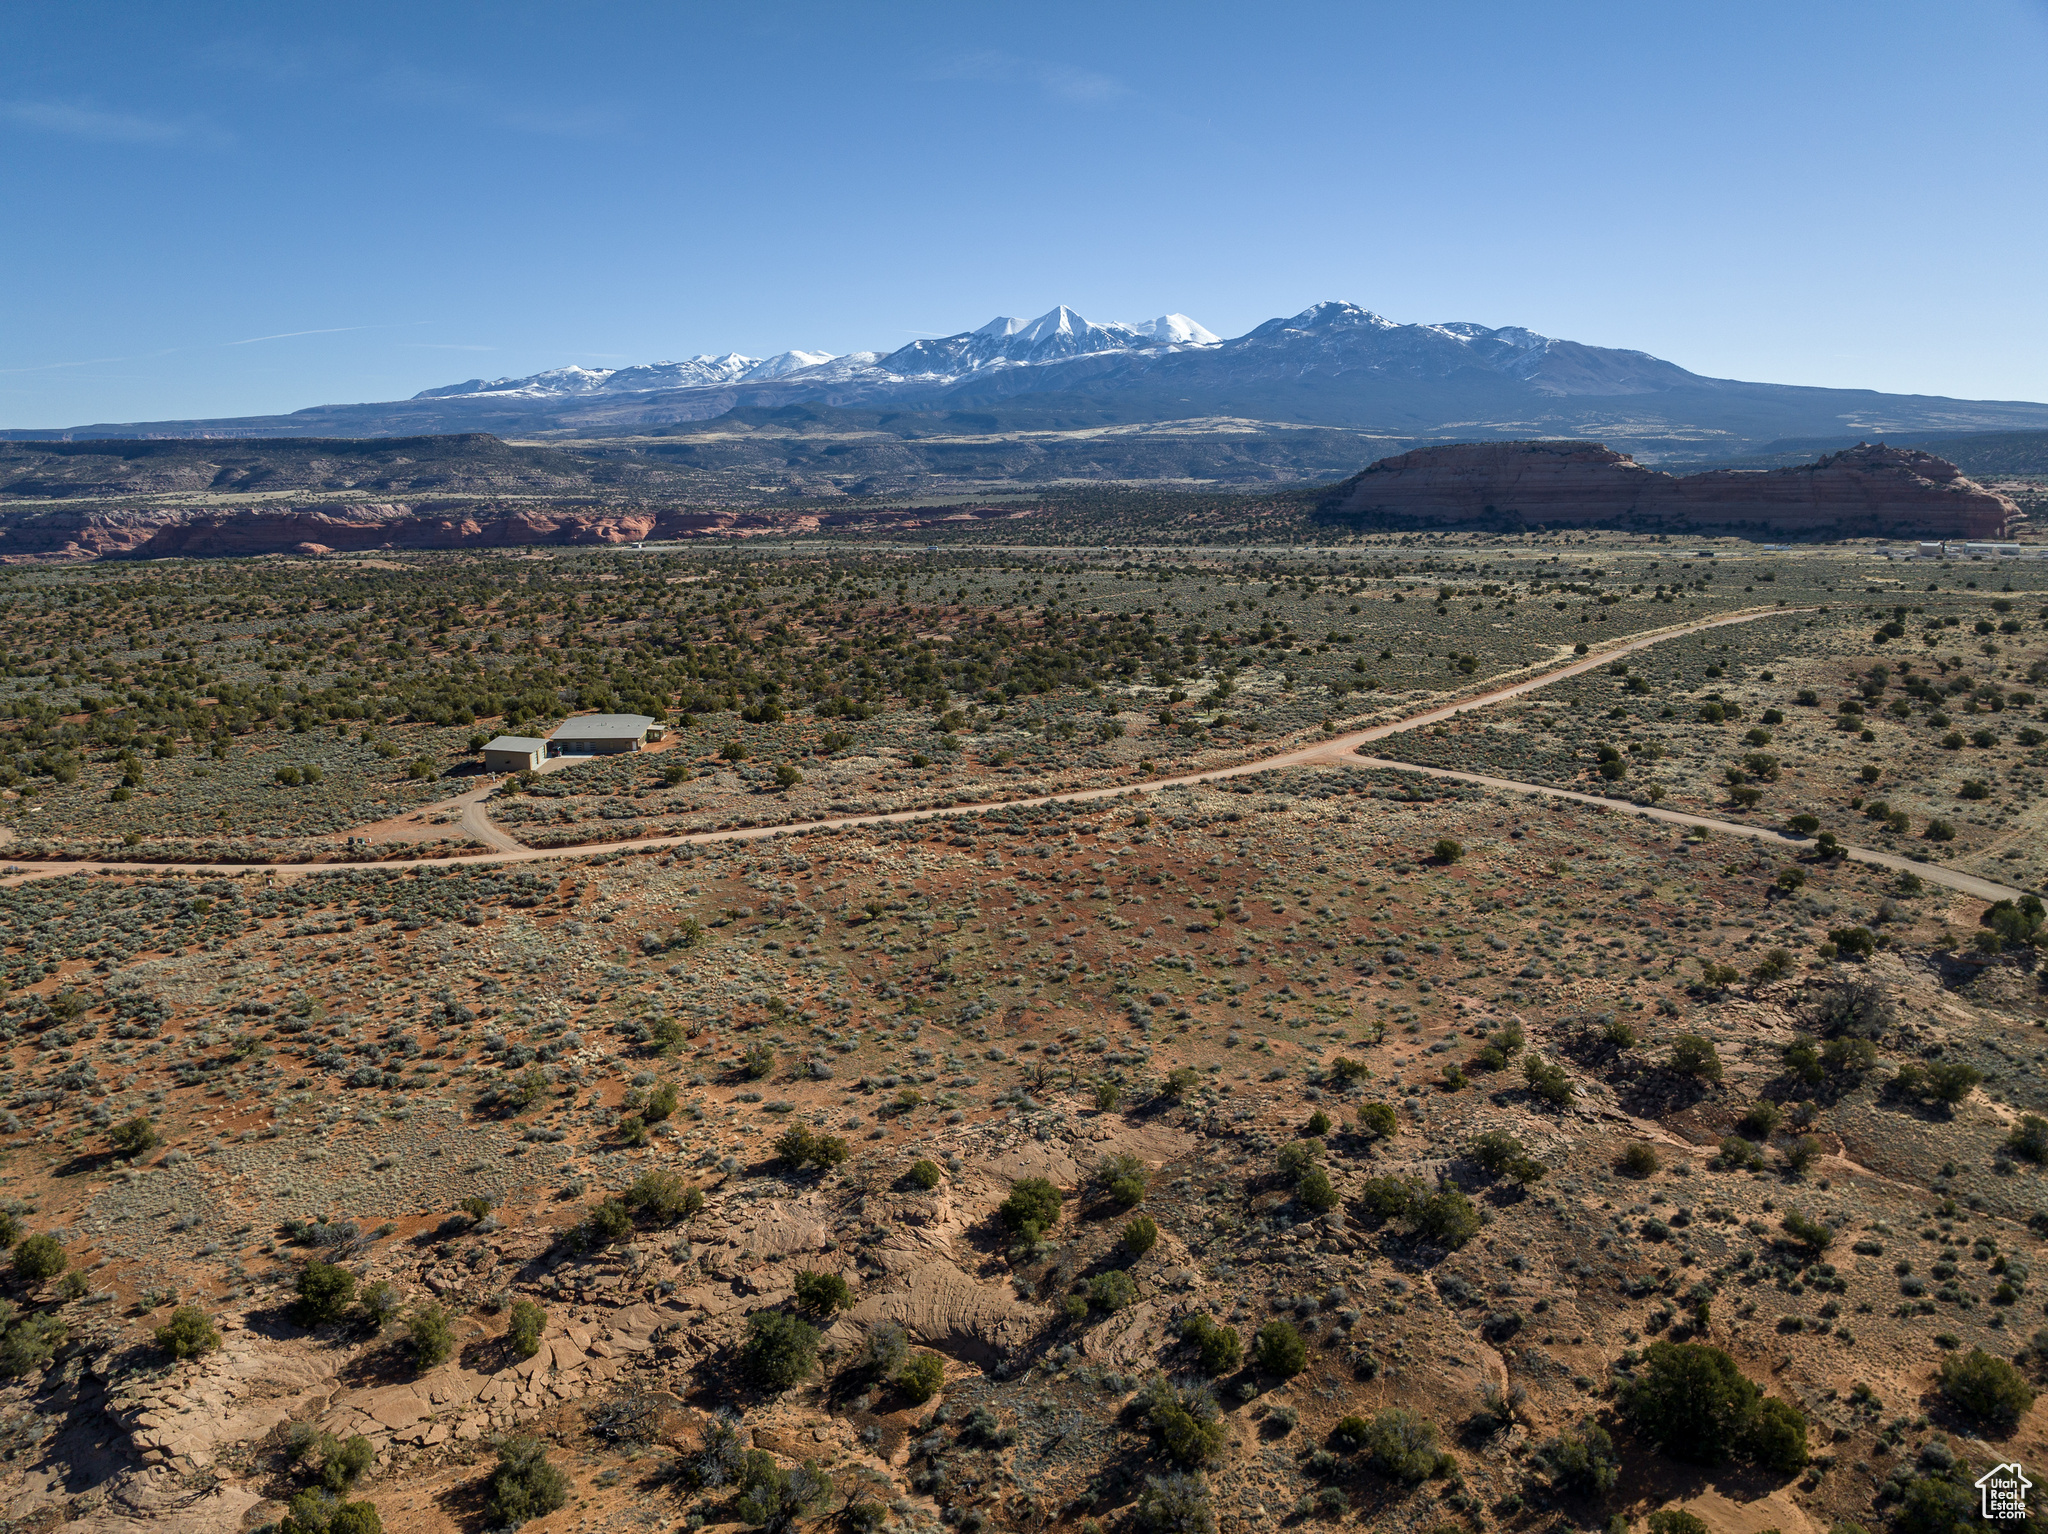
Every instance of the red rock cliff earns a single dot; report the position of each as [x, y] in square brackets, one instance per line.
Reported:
[1864, 492]
[71, 533]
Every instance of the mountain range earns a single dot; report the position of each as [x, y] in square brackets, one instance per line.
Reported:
[1332, 365]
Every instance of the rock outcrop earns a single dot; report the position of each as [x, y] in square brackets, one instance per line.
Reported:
[71, 533]
[1868, 491]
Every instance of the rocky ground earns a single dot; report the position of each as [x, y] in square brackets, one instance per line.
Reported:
[335, 1064]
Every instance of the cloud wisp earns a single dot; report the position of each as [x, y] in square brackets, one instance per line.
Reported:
[97, 125]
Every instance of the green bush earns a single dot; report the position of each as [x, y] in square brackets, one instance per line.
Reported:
[1676, 1520]
[39, 1258]
[1032, 1208]
[1186, 1424]
[2030, 1139]
[1215, 1344]
[1986, 1386]
[1639, 1160]
[433, 1340]
[343, 1463]
[776, 1499]
[1122, 1176]
[1140, 1235]
[1447, 850]
[779, 1350]
[325, 1291]
[1278, 1349]
[1112, 1291]
[1297, 1157]
[1316, 1191]
[528, 1322]
[757, 1061]
[610, 1222]
[1550, 1082]
[1692, 1055]
[922, 1377]
[1378, 1121]
[822, 1291]
[189, 1333]
[1402, 1444]
[663, 1196]
[1694, 1402]
[800, 1147]
[1318, 1124]
[524, 1485]
[31, 1342]
[924, 1174]
[136, 1137]
[1174, 1504]
[1581, 1460]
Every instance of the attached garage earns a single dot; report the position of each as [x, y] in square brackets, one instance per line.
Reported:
[600, 735]
[514, 753]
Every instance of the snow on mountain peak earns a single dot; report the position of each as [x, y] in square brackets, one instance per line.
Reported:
[1177, 330]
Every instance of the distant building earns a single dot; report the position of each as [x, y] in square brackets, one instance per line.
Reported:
[514, 753]
[600, 735]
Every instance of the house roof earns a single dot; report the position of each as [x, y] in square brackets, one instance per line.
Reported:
[515, 743]
[603, 727]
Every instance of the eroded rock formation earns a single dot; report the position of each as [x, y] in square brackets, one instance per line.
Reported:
[1863, 492]
[69, 533]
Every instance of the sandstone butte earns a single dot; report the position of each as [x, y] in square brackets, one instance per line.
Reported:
[71, 533]
[1867, 491]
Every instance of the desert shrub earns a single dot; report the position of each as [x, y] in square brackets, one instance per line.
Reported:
[1032, 1208]
[30, 1342]
[1986, 1386]
[524, 1485]
[1107, 1095]
[1692, 1055]
[775, 1500]
[377, 1303]
[325, 1290]
[1402, 1444]
[136, 1137]
[924, 1174]
[39, 1258]
[1122, 1176]
[1297, 1157]
[883, 1353]
[1547, 1080]
[344, 1462]
[1761, 1119]
[1446, 1217]
[1186, 1424]
[1113, 1290]
[663, 1196]
[799, 1147]
[779, 1350]
[189, 1333]
[610, 1222]
[1278, 1349]
[1318, 1123]
[1693, 1401]
[1215, 1344]
[1581, 1460]
[528, 1322]
[1316, 1191]
[1676, 1520]
[633, 1130]
[2030, 1139]
[1378, 1121]
[1174, 1504]
[822, 1291]
[1140, 1235]
[1447, 851]
[757, 1061]
[433, 1340]
[1181, 1080]
[922, 1377]
[1808, 1232]
[1638, 1160]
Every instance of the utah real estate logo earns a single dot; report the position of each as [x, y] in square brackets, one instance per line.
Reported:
[2005, 1492]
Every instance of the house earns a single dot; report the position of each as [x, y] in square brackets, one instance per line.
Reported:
[514, 753]
[599, 735]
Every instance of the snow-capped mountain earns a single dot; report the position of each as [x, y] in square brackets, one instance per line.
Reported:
[1002, 342]
[700, 372]
[1333, 364]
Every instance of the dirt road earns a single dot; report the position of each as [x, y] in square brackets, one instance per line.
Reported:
[1344, 750]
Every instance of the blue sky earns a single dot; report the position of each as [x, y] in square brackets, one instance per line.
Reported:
[224, 209]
